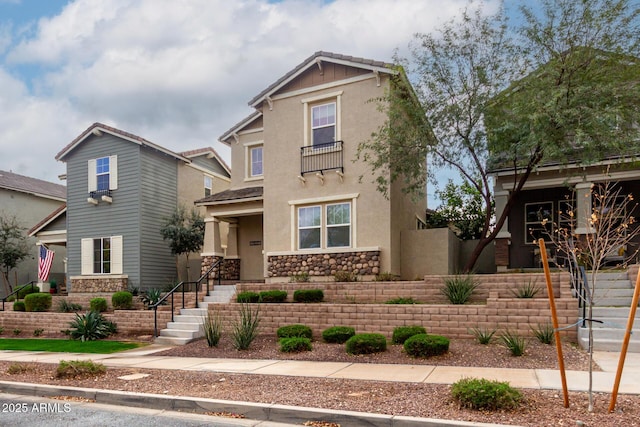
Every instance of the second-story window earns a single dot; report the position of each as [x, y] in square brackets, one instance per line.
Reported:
[323, 123]
[256, 161]
[102, 173]
[208, 186]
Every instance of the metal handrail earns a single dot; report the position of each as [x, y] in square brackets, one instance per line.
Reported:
[32, 283]
[162, 300]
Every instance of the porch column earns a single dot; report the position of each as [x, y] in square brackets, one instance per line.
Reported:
[583, 207]
[503, 238]
[212, 242]
[232, 240]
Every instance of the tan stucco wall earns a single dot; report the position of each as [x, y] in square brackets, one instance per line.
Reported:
[431, 251]
[239, 161]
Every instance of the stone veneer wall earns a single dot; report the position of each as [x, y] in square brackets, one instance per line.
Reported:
[230, 268]
[366, 263]
[85, 284]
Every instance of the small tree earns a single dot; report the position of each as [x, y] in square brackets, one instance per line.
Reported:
[185, 232]
[611, 227]
[13, 247]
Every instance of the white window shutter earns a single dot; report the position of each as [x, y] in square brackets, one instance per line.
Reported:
[116, 254]
[113, 172]
[86, 256]
[91, 175]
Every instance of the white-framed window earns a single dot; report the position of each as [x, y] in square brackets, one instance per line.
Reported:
[208, 185]
[338, 225]
[101, 255]
[323, 123]
[538, 221]
[255, 167]
[103, 173]
[325, 226]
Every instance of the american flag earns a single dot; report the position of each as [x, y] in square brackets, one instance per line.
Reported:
[44, 263]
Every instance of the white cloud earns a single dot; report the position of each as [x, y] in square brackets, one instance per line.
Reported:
[178, 73]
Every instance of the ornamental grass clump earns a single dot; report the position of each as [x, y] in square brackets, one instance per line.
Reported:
[245, 327]
[212, 325]
[527, 290]
[402, 333]
[544, 333]
[458, 289]
[423, 345]
[366, 344]
[482, 335]
[513, 342]
[294, 331]
[338, 334]
[65, 306]
[483, 394]
[79, 368]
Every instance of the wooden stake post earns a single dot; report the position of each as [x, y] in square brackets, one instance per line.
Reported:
[625, 343]
[554, 318]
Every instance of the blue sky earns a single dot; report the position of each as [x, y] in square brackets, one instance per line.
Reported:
[178, 73]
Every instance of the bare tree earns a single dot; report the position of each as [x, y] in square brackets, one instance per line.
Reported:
[610, 229]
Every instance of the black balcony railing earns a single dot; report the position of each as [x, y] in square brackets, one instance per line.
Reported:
[99, 193]
[321, 157]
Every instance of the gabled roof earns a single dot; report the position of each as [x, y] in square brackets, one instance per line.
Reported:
[37, 187]
[230, 196]
[209, 152]
[313, 60]
[240, 125]
[97, 129]
[48, 220]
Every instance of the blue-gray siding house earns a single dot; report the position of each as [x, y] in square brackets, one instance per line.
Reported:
[120, 189]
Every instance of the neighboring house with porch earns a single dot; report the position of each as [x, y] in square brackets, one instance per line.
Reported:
[296, 204]
[549, 194]
[29, 200]
[121, 188]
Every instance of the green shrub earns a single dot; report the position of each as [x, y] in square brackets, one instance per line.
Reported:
[401, 333]
[483, 336]
[19, 306]
[26, 290]
[514, 342]
[98, 304]
[273, 296]
[366, 344]
[65, 306]
[423, 345]
[245, 327]
[401, 300]
[338, 334]
[295, 344]
[122, 300]
[544, 333]
[482, 394]
[79, 368]
[248, 297]
[308, 295]
[293, 331]
[212, 328]
[345, 276]
[17, 331]
[458, 289]
[91, 326]
[37, 302]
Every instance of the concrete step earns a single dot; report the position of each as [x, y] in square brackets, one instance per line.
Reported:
[614, 292]
[180, 333]
[613, 284]
[172, 340]
[612, 301]
[184, 326]
[615, 323]
[607, 339]
[619, 312]
[614, 275]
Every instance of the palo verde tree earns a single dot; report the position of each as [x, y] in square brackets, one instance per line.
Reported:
[184, 230]
[563, 82]
[13, 247]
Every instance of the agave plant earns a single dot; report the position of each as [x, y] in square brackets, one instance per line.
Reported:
[91, 326]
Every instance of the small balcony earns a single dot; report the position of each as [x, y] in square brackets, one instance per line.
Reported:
[321, 157]
[95, 196]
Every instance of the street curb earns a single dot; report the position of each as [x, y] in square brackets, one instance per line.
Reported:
[253, 411]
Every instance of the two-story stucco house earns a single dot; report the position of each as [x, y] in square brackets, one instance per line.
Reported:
[29, 199]
[296, 203]
[120, 189]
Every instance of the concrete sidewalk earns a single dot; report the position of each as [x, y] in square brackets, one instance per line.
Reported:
[272, 415]
[521, 378]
